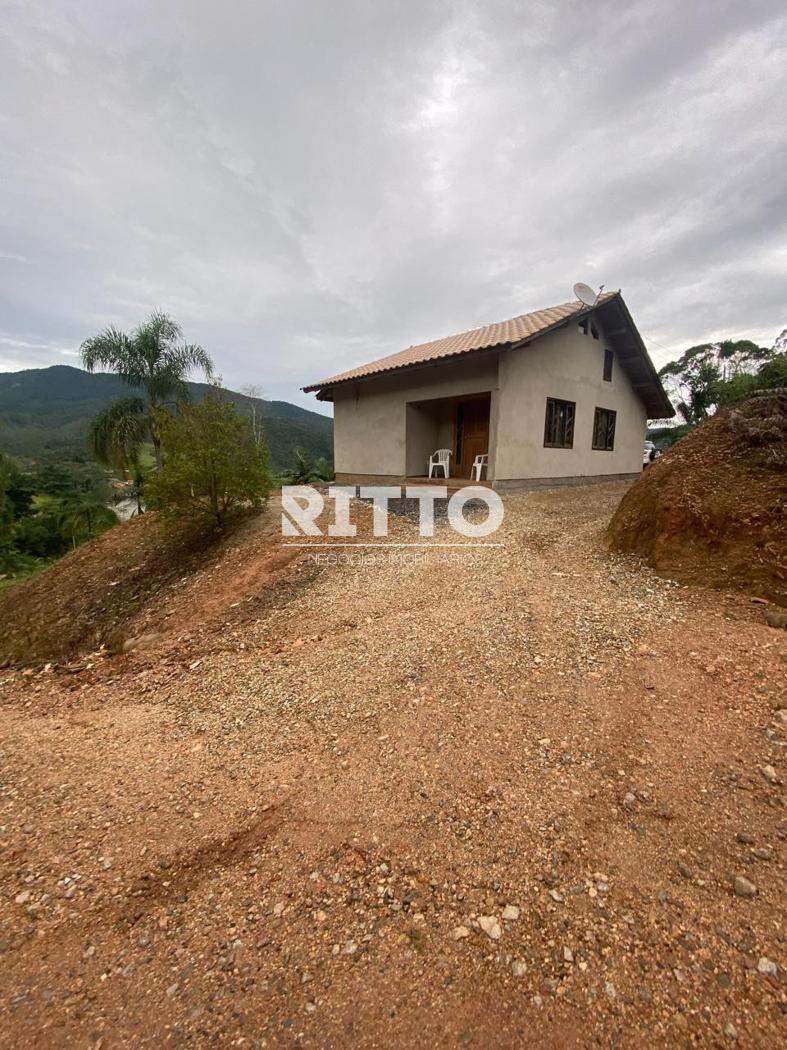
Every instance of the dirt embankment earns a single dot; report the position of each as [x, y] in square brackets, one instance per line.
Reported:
[136, 584]
[713, 510]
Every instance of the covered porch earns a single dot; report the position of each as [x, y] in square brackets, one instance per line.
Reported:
[460, 424]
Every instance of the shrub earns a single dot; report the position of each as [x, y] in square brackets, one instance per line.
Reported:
[305, 470]
[213, 462]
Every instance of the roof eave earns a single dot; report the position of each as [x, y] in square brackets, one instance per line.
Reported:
[651, 392]
[320, 388]
[659, 405]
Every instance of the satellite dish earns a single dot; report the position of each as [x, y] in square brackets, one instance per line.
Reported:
[585, 294]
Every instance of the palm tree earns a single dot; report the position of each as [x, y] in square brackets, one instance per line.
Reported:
[116, 436]
[152, 359]
[117, 433]
[76, 516]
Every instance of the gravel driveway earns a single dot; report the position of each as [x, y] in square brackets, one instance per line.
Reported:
[530, 795]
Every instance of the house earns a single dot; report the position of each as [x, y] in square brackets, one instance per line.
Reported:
[551, 397]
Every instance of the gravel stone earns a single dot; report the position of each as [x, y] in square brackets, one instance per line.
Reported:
[743, 887]
[491, 926]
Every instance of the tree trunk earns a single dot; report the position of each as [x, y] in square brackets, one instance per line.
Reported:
[152, 428]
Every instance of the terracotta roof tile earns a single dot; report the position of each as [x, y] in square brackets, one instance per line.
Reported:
[503, 333]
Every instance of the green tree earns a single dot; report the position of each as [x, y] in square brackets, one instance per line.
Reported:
[307, 470]
[42, 536]
[116, 437]
[772, 374]
[214, 463]
[45, 513]
[82, 515]
[53, 479]
[16, 499]
[6, 468]
[694, 382]
[152, 359]
[137, 485]
[16, 491]
[6, 515]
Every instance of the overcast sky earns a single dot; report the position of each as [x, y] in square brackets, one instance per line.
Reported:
[309, 185]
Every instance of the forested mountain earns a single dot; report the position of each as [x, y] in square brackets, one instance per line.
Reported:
[44, 414]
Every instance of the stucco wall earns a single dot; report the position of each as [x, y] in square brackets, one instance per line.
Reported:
[370, 419]
[429, 425]
[422, 428]
[569, 365]
[387, 426]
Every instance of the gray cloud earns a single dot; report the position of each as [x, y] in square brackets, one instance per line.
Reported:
[306, 185]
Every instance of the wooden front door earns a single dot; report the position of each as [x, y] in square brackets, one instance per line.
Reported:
[472, 434]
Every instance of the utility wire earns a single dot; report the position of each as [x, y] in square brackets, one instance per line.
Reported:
[648, 339]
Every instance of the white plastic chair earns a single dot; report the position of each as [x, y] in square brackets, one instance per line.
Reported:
[440, 458]
[478, 465]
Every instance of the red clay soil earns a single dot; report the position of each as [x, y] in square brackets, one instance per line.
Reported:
[713, 509]
[528, 796]
[121, 587]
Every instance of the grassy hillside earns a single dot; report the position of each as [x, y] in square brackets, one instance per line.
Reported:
[44, 414]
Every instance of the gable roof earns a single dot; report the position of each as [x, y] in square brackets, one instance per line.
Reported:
[519, 331]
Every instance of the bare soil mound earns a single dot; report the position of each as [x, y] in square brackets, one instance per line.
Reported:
[713, 510]
[82, 601]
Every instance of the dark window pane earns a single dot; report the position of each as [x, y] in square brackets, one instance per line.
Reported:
[609, 357]
[604, 429]
[559, 423]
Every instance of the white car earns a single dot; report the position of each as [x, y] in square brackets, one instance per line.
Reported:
[650, 453]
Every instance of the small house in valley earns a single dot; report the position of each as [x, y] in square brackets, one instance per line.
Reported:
[551, 396]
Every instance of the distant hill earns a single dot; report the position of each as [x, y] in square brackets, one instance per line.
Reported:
[45, 412]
